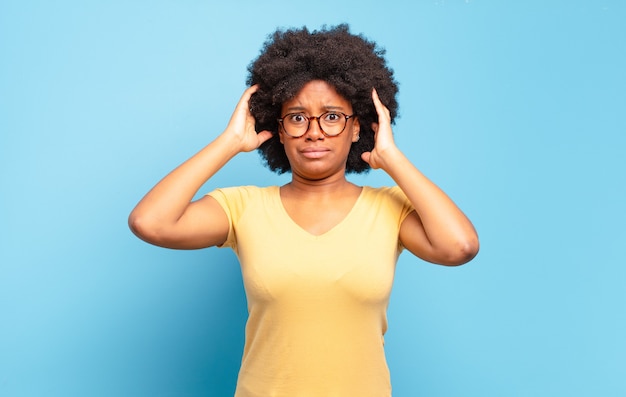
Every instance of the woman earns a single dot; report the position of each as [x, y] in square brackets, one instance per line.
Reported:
[317, 254]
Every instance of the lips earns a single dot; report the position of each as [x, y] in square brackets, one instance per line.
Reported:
[314, 152]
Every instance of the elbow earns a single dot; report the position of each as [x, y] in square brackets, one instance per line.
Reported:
[143, 228]
[134, 224]
[464, 251]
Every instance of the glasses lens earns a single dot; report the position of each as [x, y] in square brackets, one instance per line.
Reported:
[333, 123]
[295, 124]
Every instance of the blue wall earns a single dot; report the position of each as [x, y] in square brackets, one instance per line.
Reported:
[515, 108]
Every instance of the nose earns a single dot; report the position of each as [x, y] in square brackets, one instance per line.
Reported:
[314, 131]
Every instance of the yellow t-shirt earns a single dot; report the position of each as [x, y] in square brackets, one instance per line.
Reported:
[317, 304]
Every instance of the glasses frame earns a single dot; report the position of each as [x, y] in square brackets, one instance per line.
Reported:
[308, 120]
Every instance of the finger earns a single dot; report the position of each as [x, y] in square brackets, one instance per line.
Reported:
[381, 109]
[375, 127]
[375, 96]
[263, 136]
[252, 89]
[247, 94]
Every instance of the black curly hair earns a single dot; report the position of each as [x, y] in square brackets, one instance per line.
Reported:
[350, 63]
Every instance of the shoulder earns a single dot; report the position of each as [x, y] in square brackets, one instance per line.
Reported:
[391, 198]
[238, 200]
[390, 193]
[241, 193]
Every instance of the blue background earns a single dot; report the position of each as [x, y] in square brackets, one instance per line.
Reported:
[515, 108]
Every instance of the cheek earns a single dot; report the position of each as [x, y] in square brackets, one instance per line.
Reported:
[288, 145]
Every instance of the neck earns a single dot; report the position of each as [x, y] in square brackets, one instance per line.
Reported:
[333, 184]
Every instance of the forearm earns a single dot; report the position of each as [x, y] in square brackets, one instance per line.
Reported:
[439, 232]
[166, 202]
[167, 217]
[445, 226]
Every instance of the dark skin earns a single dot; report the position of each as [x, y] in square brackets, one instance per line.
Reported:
[437, 231]
[318, 163]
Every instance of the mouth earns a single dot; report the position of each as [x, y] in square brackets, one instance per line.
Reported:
[314, 152]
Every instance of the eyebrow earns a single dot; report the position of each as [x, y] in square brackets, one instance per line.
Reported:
[326, 108]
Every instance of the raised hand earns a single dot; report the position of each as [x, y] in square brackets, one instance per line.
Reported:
[384, 145]
[167, 215]
[437, 231]
[241, 124]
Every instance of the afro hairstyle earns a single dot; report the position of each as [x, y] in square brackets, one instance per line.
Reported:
[350, 63]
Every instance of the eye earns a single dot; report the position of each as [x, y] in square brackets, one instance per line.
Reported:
[331, 117]
[296, 118]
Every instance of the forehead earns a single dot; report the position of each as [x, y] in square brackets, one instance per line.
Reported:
[317, 94]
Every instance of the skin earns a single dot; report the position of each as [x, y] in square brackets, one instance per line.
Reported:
[318, 162]
[437, 231]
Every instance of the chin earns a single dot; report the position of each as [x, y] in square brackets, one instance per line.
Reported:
[318, 173]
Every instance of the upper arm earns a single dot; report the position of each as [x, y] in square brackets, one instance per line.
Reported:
[414, 238]
[203, 224]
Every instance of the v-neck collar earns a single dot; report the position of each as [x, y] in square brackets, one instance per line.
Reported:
[300, 229]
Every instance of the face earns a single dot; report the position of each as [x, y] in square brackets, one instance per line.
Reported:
[315, 156]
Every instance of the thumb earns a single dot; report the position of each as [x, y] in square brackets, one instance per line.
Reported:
[366, 156]
[264, 136]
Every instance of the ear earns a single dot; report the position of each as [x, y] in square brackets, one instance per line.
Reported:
[356, 129]
[281, 135]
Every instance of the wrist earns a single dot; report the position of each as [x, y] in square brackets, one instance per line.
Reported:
[229, 144]
[390, 157]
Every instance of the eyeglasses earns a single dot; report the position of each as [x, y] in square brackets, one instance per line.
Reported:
[331, 123]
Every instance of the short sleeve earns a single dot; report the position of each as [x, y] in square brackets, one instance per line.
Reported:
[402, 201]
[232, 201]
[403, 206]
